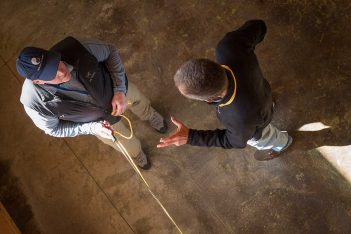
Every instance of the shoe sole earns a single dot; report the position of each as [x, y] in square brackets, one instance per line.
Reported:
[264, 155]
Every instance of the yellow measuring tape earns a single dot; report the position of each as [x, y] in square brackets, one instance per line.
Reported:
[136, 169]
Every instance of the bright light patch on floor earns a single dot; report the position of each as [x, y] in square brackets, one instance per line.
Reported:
[317, 126]
[339, 157]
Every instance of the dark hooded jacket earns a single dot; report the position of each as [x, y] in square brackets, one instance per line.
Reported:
[251, 111]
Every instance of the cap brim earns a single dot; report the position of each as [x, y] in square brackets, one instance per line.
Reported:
[52, 61]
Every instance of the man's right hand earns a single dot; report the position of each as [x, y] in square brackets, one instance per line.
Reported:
[104, 130]
[119, 103]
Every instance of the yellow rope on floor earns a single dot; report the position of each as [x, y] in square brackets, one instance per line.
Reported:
[136, 169]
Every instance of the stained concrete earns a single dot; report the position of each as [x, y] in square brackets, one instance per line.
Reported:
[78, 185]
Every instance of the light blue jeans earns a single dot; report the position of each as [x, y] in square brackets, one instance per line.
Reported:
[272, 138]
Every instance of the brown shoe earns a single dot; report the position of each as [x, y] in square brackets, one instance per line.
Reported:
[265, 155]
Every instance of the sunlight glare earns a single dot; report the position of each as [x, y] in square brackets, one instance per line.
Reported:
[339, 157]
[317, 126]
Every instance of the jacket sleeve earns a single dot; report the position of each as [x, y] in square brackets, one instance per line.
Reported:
[59, 128]
[108, 53]
[249, 34]
[232, 137]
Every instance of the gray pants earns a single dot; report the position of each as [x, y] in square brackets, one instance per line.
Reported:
[272, 138]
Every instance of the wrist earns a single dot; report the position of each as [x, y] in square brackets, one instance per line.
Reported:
[120, 95]
[189, 136]
[119, 90]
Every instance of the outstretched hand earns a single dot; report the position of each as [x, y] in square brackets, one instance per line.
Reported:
[180, 137]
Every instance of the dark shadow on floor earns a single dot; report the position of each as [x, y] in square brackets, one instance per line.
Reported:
[312, 83]
[14, 200]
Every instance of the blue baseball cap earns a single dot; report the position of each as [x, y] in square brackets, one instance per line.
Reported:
[38, 64]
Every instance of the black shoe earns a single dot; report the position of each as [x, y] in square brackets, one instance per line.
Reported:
[158, 122]
[142, 161]
[164, 128]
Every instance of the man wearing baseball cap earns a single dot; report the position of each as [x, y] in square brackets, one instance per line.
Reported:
[80, 87]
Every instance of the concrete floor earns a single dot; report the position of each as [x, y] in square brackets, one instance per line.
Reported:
[79, 185]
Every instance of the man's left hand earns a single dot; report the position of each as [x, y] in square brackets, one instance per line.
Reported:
[119, 103]
[180, 137]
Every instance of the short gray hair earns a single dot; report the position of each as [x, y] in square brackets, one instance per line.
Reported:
[201, 78]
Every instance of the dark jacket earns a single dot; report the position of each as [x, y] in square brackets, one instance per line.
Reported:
[251, 109]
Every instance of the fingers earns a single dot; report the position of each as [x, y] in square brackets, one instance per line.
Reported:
[169, 138]
[106, 133]
[114, 108]
[107, 125]
[165, 141]
[162, 145]
[124, 107]
[168, 142]
[174, 139]
[119, 103]
[118, 108]
[176, 122]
